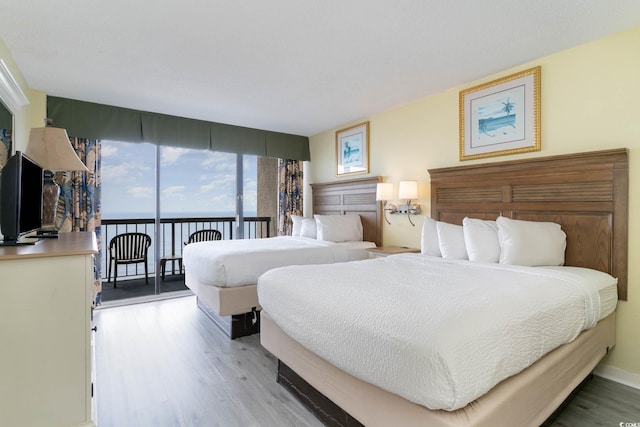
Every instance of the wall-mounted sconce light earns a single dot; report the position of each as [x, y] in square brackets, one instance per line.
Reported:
[384, 193]
[408, 190]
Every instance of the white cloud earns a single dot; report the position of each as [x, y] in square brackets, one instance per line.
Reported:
[140, 192]
[108, 151]
[120, 173]
[170, 155]
[176, 192]
[220, 162]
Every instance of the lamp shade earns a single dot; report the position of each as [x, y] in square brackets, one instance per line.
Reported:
[408, 190]
[384, 191]
[51, 149]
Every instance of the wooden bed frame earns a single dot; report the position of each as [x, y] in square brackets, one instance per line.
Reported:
[354, 196]
[236, 310]
[587, 194]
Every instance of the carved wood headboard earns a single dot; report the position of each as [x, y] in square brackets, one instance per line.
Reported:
[354, 196]
[586, 193]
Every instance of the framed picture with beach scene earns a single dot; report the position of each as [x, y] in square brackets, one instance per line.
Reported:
[501, 117]
[352, 150]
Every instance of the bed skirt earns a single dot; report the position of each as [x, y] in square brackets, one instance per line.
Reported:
[224, 301]
[528, 398]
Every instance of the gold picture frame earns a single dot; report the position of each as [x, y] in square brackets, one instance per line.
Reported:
[501, 117]
[352, 150]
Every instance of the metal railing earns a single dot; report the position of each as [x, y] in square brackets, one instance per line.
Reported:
[173, 234]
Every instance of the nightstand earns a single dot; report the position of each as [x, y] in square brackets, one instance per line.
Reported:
[383, 251]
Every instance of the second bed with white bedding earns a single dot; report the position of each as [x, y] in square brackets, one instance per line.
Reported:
[439, 333]
[230, 263]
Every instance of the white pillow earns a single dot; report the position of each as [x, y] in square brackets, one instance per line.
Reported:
[297, 225]
[451, 238]
[308, 228]
[339, 228]
[481, 240]
[429, 244]
[531, 243]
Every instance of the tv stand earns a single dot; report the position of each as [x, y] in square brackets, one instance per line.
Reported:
[46, 362]
[15, 243]
[32, 240]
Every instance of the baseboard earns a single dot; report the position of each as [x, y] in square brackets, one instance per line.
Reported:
[148, 298]
[618, 375]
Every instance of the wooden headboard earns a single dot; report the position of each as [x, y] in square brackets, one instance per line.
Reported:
[586, 193]
[354, 196]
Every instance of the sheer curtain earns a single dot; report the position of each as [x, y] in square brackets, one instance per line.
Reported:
[290, 193]
[79, 206]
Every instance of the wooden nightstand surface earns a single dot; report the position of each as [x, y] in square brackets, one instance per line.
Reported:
[392, 250]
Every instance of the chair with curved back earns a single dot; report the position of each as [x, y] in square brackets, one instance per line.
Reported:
[128, 248]
[196, 236]
[204, 236]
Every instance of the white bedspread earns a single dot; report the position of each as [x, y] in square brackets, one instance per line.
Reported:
[230, 263]
[440, 333]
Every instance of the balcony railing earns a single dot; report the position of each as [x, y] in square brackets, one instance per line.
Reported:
[173, 234]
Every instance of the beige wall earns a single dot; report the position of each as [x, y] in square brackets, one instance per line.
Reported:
[590, 101]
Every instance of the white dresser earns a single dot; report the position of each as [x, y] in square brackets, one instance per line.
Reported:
[46, 341]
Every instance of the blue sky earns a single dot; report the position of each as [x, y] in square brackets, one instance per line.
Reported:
[191, 182]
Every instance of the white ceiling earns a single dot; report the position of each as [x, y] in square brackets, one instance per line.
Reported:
[294, 66]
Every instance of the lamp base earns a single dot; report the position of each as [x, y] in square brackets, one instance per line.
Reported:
[50, 195]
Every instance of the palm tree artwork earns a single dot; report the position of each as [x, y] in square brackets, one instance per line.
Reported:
[497, 122]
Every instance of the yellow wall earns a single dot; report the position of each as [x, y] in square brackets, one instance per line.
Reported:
[590, 101]
[30, 115]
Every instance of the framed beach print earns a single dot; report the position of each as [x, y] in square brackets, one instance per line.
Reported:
[352, 150]
[501, 117]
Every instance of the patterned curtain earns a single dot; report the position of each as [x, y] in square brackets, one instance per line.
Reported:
[79, 206]
[5, 146]
[290, 193]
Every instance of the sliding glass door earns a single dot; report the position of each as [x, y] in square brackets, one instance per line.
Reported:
[169, 193]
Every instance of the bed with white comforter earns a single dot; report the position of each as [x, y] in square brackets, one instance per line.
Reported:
[437, 332]
[230, 263]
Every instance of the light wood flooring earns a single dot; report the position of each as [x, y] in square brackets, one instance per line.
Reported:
[165, 363]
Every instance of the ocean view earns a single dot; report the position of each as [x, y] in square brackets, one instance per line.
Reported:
[170, 214]
[170, 244]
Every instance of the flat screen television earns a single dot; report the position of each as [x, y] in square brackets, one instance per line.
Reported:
[20, 197]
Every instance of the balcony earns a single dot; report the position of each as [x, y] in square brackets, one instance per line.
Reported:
[173, 234]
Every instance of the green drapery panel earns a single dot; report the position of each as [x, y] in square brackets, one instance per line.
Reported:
[173, 131]
[236, 139]
[96, 121]
[285, 146]
[6, 118]
[90, 120]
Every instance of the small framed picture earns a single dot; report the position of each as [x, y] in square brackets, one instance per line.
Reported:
[501, 117]
[352, 150]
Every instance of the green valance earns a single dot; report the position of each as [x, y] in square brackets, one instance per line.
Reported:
[6, 119]
[89, 120]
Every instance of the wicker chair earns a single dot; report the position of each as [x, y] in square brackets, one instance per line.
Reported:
[128, 248]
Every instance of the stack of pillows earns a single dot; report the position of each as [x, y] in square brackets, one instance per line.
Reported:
[507, 241]
[333, 228]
